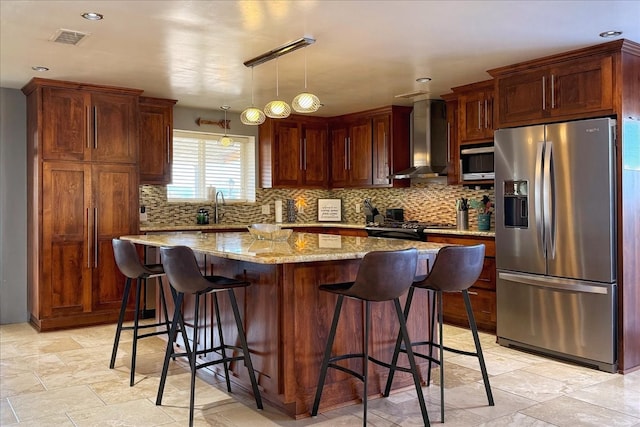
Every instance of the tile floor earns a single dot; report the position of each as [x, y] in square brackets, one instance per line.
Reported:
[62, 379]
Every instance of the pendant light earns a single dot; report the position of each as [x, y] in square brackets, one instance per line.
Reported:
[305, 102]
[252, 116]
[277, 109]
[225, 141]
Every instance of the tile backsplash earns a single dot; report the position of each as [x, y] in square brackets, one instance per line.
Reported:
[421, 202]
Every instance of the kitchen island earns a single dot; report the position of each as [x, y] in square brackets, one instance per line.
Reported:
[286, 317]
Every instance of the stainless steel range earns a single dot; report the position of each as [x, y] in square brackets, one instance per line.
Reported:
[407, 230]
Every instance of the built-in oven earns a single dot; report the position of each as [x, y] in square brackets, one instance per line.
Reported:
[476, 162]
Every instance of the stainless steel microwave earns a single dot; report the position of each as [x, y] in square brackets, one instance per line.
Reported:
[476, 163]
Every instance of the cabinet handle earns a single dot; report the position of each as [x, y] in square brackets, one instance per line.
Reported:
[88, 240]
[304, 147]
[486, 115]
[553, 92]
[472, 293]
[88, 122]
[301, 154]
[95, 237]
[479, 119]
[544, 90]
[168, 144]
[448, 142]
[349, 153]
[346, 156]
[95, 127]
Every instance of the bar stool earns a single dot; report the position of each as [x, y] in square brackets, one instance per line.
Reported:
[185, 277]
[455, 269]
[382, 276]
[130, 265]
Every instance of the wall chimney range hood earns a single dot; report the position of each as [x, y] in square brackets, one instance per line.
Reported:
[429, 141]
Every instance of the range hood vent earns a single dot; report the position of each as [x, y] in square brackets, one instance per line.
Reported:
[429, 141]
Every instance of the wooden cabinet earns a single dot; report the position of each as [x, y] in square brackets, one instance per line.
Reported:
[87, 125]
[369, 146]
[483, 291]
[565, 90]
[156, 140]
[82, 193]
[475, 111]
[294, 153]
[453, 147]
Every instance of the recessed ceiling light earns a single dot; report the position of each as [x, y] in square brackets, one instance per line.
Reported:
[39, 68]
[609, 34]
[92, 16]
[423, 79]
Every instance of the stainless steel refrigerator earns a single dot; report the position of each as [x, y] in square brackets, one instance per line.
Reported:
[556, 240]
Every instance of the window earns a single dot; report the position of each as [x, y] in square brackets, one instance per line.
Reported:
[200, 162]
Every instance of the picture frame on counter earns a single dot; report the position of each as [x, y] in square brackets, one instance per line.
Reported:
[329, 210]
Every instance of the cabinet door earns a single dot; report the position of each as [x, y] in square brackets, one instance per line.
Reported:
[522, 97]
[114, 131]
[360, 160]
[315, 162]
[583, 86]
[65, 281]
[288, 154]
[453, 148]
[156, 136]
[339, 157]
[65, 124]
[115, 206]
[476, 116]
[381, 150]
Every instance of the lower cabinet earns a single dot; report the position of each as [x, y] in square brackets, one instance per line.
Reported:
[482, 293]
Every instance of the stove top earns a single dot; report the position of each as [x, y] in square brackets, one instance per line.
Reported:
[410, 225]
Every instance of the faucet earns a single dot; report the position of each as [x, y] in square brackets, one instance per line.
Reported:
[217, 215]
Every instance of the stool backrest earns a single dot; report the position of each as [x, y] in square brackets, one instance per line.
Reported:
[385, 275]
[127, 258]
[456, 268]
[181, 267]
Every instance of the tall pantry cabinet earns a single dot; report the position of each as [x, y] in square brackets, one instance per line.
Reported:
[83, 191]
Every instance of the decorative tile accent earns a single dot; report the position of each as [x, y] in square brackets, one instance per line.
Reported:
[421, 202]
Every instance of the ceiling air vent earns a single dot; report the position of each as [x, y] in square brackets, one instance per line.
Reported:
[68, 37]
[413, 94]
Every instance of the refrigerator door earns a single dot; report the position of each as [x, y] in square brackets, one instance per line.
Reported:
[517, 157]
[562, 317]
[580, 211]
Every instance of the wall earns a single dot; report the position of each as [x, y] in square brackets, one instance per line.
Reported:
[13, 206]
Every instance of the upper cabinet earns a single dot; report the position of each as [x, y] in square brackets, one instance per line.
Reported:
[575, 85]
[293, 153]
[156, 136]
[367, 147]
[475, 112]
[88, 124]
[453, 147]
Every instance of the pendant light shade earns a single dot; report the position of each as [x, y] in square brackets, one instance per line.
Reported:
[305, 102]
[225, 141]
[277, 109]
[252, 116]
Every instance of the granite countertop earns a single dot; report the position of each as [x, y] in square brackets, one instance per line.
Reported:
[148, 227]
[300, 247]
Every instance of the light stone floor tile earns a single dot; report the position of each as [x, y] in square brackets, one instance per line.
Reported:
[80, 389]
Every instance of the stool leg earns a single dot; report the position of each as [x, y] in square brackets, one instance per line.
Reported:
[365, 358]
[123, 308]
[412, 361]
[192, 360]
[245, 349]
[396, 351]
[327, 355]
[163, 302]
[136, 321]
[178, 297]
[224, 353]
[476, 340]
[431, 335]
[441, 345]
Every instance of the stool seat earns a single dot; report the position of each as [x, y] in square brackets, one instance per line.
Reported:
[132, 268]
[455, 269]
[382, 276]
[185, 277]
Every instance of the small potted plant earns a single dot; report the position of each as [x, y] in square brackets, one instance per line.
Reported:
[484, 207]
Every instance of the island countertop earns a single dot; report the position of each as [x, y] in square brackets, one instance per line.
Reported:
[300, 247]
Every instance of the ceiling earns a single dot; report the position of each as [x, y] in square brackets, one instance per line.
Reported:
[366, 52]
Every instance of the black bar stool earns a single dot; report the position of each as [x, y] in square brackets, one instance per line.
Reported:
[185, 277]
[130, 265]
[455, 269]
[382, 276]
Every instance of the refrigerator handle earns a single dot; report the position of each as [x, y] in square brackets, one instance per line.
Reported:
[538, 182]
[549, 206]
